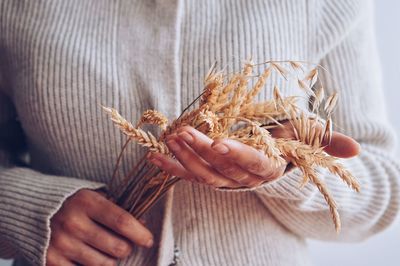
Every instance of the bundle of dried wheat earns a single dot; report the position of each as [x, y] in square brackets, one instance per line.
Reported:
[227, 109]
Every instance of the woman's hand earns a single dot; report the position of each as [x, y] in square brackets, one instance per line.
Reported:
[91, 230]
[228, 163]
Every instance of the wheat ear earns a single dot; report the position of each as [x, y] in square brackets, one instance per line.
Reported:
[143, 138]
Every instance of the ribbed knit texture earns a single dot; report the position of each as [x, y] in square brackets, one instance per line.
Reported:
[61, 60]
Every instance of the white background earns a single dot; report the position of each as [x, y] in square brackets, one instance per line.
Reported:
[383, 249]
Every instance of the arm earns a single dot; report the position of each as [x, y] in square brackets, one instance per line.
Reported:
[353, 64]
[28, 199]
[229, 164]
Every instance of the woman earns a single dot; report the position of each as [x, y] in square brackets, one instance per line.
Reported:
[61, 60]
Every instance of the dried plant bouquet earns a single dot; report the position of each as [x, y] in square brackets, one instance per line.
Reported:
[227, 108]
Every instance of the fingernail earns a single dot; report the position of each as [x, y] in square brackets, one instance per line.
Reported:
[150, 243]
[187, 137]
[156, 162]
[173, 145]
[221, 148]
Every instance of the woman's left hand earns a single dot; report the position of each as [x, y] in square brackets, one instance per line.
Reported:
[229, 164]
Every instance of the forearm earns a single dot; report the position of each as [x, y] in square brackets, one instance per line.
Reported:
[304, 211]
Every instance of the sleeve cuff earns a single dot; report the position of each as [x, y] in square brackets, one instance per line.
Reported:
[288, 186]
[28, 200]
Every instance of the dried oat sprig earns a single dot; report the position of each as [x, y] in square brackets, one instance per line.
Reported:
[318, 98]
[281, 70]
[308, 130]
[312, 77]
[143, 138]
[306, 88]
[296, 65]
[331, 103]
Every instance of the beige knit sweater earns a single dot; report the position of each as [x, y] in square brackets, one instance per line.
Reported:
[60, 60]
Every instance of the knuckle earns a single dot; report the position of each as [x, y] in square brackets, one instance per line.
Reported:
[72, 225]
[269, 174]
[82, 199]
[82, 195]
[272, 175]
[61, 242]
[94, 236]
[123, 220]
[122, 250]
[256, 166]
[228, 170]
[80, 254]
[204, 150]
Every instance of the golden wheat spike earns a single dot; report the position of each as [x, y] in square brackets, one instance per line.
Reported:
[143, 138]
[330, 103]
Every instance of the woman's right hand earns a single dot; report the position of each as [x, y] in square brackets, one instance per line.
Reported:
[91, 230]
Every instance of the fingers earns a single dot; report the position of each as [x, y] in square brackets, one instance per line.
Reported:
[175, 168]
[105, 241]
[248, 158]
[194, 164]
[171, 166]
[199, 161]
[202, 145]
[76, 251]
[343, 146]
[214, 163]
[54, 258]
[118, 220]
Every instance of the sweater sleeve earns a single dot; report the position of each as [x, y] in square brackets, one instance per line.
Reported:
[28, 198]
[354, 68]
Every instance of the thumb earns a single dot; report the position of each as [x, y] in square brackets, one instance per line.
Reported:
[342, 146]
